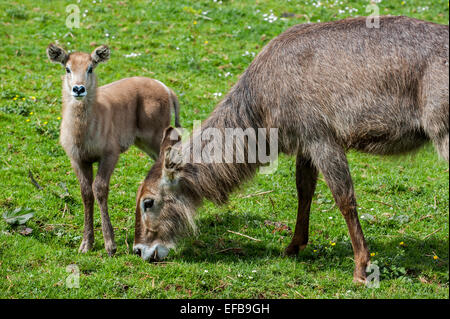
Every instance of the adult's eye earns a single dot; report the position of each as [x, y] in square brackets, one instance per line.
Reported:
[148, 203]
[67, 70]
[89, 69]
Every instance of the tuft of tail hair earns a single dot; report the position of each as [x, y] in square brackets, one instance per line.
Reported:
[176, 108]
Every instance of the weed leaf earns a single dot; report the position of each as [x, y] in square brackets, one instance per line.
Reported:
[19, 216]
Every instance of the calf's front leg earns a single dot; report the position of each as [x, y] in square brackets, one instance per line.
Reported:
[101, 190]
[84, 174]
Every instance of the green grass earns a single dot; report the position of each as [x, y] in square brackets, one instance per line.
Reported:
[199, 48]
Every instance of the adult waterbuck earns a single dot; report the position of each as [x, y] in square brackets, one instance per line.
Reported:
[327, 87]
[100, 123]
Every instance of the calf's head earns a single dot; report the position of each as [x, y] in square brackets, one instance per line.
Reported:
[79, 66]
[165, 203]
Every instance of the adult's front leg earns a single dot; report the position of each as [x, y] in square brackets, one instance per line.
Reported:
[101, 191]
[331, 160]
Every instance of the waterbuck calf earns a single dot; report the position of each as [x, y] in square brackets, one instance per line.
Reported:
[327, 87]
[100, 123]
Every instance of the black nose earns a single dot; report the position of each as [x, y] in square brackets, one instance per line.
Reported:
[78, 89]
[137, 251]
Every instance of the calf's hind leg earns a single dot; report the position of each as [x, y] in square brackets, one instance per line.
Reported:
[332, 162]
[306, 178]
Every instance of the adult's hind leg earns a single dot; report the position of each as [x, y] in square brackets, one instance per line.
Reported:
[435, 113]
[306, 178]
[441, 145]
[331, 160]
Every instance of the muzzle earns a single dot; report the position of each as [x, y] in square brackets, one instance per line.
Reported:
[155, 253]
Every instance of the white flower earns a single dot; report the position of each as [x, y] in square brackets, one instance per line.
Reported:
[270, 18]
[132, 55]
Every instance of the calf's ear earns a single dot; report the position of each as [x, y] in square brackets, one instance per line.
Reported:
[56, 54]
[100, 54]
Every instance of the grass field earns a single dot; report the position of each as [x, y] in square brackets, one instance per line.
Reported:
[199, 48]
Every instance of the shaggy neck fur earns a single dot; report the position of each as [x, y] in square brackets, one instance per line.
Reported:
[215, 181]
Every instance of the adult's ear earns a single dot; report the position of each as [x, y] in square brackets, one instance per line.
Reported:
[56, 54]
[171, 136]
[171, 156]
[100, 54]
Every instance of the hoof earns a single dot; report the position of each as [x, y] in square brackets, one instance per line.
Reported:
[111, 249]
[85, 246]
[358, 280]
[293, 250]
[360, 275]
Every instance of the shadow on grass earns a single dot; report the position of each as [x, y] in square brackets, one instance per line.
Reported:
[413, 259]
[214, 244]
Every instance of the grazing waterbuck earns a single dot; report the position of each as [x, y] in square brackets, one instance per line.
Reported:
[99, 123]
[327, 87]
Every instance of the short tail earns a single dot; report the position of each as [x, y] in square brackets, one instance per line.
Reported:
[176, 108]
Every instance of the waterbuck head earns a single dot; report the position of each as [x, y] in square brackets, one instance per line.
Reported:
[165, 202]
[79, 66]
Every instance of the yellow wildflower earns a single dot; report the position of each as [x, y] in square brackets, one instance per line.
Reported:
[33, 98]
[332, 243]
[45, 123]
[28, 120]
[31, 113]
[15, 98]
[435, 257]
[372, 254]
[195, 22]
[402, 243]
[206, 42]
[23, 99]
[58, 118]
